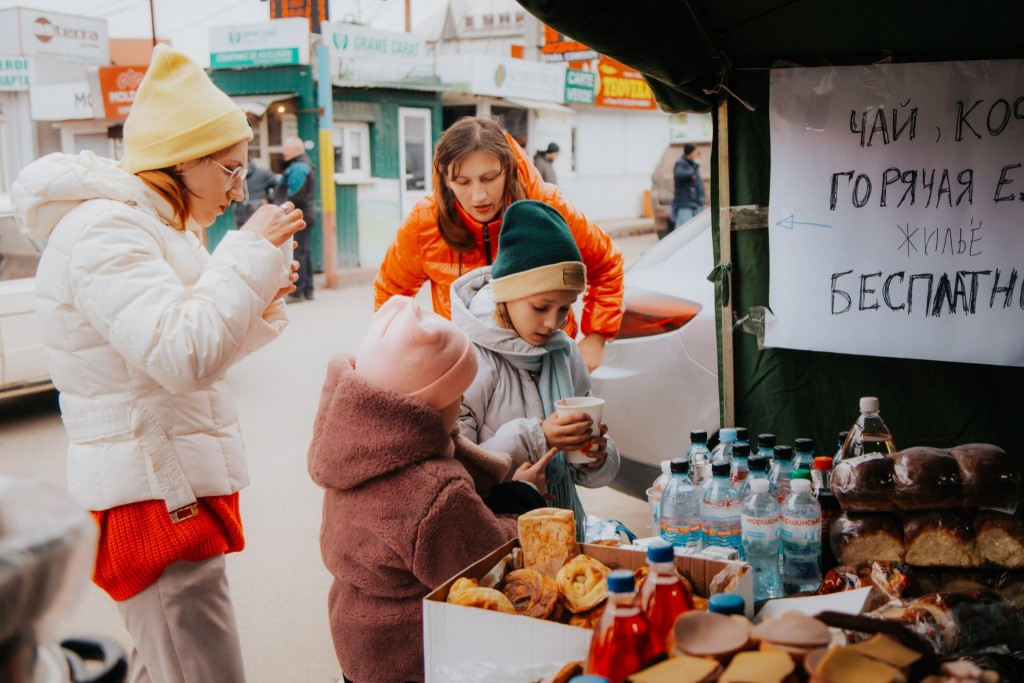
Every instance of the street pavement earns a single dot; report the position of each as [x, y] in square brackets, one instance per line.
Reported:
[278, 584]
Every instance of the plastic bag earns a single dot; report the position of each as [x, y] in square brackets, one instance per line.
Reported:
[608, 529]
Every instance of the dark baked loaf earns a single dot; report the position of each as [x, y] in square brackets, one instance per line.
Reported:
[861, 537]
[988, 477]
[940, 539]
[999, 538]
[922, 478]
[925, 479]
[864, 483]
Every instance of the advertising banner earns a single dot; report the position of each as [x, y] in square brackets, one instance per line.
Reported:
[279, 42]
[896, 223]
[363, 54]
[314, 11]
[54, 35]
[118, 85]
[14, 73]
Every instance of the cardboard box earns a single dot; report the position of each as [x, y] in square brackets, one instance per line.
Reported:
[475, 645]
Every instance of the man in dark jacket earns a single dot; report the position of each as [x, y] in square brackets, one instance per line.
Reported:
[544, 160]
[298, 183]
[689, 195]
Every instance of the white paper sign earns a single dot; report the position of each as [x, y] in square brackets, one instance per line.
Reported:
[896, 223]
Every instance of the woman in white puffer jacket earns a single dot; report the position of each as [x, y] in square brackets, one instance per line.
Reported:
[141, 324]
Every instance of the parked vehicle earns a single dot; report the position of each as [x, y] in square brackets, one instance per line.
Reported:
[659, 378]
[23, 367]
[663, 185]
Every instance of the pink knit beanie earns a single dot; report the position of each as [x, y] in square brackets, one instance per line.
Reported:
[416, 352]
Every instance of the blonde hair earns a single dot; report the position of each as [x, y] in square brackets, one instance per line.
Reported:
[467, 135]
[168, 184]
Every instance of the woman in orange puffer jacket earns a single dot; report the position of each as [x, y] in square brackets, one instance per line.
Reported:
[478, 172]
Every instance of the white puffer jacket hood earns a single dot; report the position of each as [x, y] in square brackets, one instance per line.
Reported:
[140, 325]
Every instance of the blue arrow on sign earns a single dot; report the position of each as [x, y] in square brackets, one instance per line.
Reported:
[789, 222]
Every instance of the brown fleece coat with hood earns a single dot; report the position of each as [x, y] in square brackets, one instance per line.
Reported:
[401, 516]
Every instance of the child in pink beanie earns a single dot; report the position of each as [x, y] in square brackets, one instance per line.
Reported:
[402, 505]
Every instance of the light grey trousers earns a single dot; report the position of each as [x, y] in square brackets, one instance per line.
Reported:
[183, 627]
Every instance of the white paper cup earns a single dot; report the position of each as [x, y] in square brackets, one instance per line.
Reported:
[582, 404]
[287, 255]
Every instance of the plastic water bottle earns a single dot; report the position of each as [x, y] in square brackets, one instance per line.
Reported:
[679, 520]
[821, 486]
[620, 640]
[803, 454]
[663, 597]
[697, 455]
[738, 468]
[839, 449]
[760, 523]
[742, 435]
[723, 451]
[869, 434]
[702, 477]
[757, 469]
[766, 446]
[720, 511]
[654, 495]
[782, 470]
[801, 540]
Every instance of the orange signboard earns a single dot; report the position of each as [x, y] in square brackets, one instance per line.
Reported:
[314, 10]
[618, 86]
[117, 88]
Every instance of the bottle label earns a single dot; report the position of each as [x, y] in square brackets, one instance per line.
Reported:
[760, 528]
[806, 529]
[719, 504]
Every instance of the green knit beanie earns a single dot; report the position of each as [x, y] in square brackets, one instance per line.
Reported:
[536, 253]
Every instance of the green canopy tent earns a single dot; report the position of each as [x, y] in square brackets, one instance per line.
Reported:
[715, 56]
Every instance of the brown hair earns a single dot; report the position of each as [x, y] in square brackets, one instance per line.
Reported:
[502, 318]
[467, 135]
[168, 184]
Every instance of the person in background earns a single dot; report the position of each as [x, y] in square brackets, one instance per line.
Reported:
[259, 187]
[688, 199]
[513, 312]
[141, 324]
[402, 507]
[298, 184]
[478, 172]
[544, 160]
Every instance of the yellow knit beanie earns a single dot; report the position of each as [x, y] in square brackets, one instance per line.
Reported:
[178, 115]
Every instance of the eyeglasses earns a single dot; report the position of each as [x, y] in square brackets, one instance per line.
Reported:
[235, 176]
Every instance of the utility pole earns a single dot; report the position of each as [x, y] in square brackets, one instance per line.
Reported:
[152, 22]
[408, 16]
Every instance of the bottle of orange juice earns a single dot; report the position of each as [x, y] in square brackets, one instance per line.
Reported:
[620, 642]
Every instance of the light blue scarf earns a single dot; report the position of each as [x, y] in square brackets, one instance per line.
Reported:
[554, 382]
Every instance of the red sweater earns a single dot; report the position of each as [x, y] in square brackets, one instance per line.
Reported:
[139, 540]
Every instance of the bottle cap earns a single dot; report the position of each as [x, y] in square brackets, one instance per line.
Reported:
[666, 466]
[759, 485]
[720, 469]
[726, 603]
[698, 436]
[766, 441]
[726, 434]
[588, 678]
[797, 486]
[741, 450]
[868, 404]
[742, 434]
[783, 452]
[680, 466]
[660, 550]
[621, 581]
[804, 445]
[801, 474]
[757, 463]
[823, 463]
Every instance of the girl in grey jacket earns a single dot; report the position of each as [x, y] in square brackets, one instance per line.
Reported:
[512, 312]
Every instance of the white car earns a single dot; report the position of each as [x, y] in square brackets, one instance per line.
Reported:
[659, 378]
[23, 367]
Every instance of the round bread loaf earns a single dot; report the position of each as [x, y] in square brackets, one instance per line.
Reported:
[988, 478]
[862, 537]
[925, 479]
[864, 483]
[940, 538]
[999, 538]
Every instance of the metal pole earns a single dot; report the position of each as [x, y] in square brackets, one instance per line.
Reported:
[152, 22]
[328, 205]
[408, 17]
